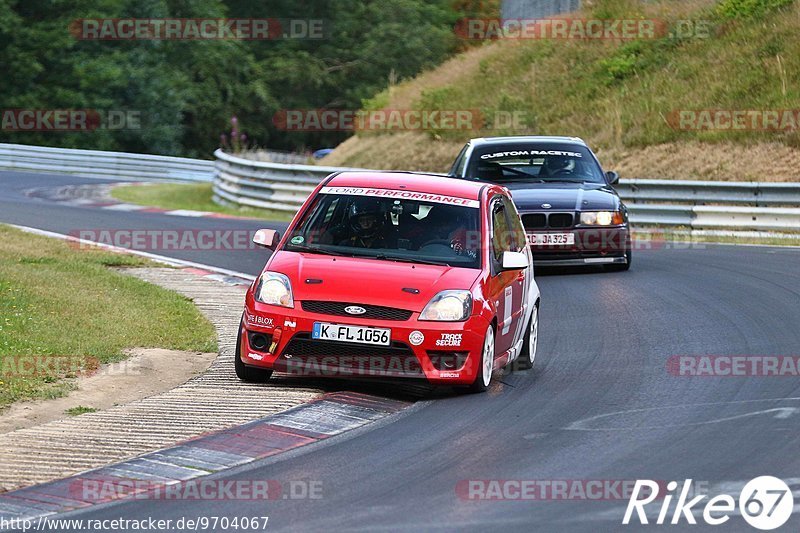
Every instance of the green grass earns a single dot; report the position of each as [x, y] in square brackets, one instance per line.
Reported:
[625, 94]
[193, 196]
[59, 303]
[80, 410]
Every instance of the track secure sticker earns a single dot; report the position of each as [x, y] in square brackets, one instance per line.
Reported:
[297, 240]
[416, 338]
[450, 339]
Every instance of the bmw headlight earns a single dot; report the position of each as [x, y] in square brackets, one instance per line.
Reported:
[448, 306]
[274, 289]
[601, 218]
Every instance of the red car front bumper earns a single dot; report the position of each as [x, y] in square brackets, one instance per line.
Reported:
[280, 339]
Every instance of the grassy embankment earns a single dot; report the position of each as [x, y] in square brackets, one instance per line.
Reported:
[620, 96]
[68, 305]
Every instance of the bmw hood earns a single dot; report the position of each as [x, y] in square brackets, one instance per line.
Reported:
[368, 281]
[564, 197]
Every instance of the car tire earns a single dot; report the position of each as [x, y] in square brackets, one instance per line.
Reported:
[484, 376]
[244, 372]
[530, 344]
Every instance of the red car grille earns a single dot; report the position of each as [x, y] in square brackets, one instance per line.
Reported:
[372, 311]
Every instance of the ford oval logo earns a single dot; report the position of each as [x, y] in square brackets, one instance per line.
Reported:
[354, 310]
[546, 206]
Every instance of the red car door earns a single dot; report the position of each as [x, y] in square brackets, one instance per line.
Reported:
[520, 284]
[503, 284]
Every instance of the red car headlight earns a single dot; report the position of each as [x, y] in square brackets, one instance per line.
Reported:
[274, 289]
[448, 306]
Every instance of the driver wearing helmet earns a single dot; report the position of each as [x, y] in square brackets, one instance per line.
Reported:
[367, 222]
[446, 223]
[558, 164]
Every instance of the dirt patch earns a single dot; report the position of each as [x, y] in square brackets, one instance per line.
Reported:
[402, 151]
[144, 373]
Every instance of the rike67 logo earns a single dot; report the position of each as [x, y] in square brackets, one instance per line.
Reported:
[765, 503]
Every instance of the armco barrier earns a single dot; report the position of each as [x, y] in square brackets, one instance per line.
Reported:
[237, 181]
[99, 164]
[757, 194]
[692, 204]
[277, 186]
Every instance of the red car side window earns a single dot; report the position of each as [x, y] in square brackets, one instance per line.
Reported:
[502, 236]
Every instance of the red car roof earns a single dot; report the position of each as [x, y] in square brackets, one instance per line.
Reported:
[413, 182]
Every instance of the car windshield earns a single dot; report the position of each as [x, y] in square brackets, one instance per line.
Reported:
[387, 229]
[537, 163]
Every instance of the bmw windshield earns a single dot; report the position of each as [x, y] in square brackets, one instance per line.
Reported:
[538, 163]
[389, 229]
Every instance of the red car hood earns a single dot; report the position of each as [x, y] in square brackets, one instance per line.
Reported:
[368, 281]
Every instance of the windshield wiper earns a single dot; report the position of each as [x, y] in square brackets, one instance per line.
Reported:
[315, 250]
[385, 257]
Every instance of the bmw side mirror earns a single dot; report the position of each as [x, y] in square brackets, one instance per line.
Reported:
[515, 261]
[267, 238]
[612, 177]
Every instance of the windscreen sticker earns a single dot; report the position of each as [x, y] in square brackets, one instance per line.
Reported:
[518, 153]
[401, 195]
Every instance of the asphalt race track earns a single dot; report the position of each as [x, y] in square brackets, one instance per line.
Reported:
[600, 404]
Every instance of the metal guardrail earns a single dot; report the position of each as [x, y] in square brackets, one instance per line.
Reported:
[757, 194]
[275, 156]
[243, 182]
[100, 164]
[693, 204]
